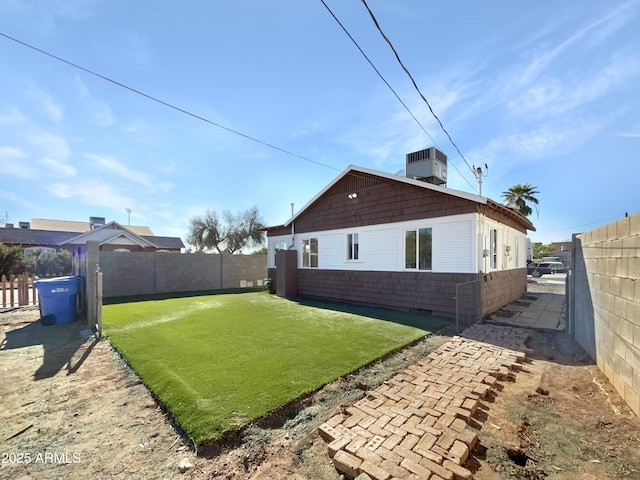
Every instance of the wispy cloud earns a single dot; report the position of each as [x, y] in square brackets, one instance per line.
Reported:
[600, 28]
[50, 145]
[94, 193]
[547, 140]
[12, 117]
[51, 11]
[47, 103]
[100, 110]
[109, 164]
[634, 132]
[40, 155]
[136, 49]
[136, 126]
[17, 199]
[555, 96]
[57, 168]
[12, 163]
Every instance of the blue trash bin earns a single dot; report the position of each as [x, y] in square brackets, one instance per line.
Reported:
[58, 298]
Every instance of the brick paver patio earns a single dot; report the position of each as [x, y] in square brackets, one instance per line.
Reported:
[416, 426]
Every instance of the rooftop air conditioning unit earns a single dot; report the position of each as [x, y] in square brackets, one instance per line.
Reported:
[96, 222]
[428, 165]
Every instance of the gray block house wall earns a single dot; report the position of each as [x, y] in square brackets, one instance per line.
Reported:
[604, 302]
[143, 273]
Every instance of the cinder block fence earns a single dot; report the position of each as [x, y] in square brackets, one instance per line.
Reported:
[604, 302]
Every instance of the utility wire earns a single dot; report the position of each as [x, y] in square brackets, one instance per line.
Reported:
[388, 85]
[376, 70]
[617, 217]
[166, 104]
[375, 21]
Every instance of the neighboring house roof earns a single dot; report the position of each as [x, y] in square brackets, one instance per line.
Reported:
[79, 227]
[23, 236]
[105, 234]
[165, 242]
[355, 171]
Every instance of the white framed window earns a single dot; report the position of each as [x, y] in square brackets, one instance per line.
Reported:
[493, 245]
[277, 246]
[310, 252]
[418, 249]
[353, 246]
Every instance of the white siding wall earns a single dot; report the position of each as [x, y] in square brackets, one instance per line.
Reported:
[381, 247]
[507, 258]
[458, 244]
[456, 247]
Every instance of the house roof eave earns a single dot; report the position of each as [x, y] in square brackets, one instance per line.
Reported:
[510, 212]
[389, 176]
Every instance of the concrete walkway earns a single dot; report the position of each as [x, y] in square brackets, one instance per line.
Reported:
[546, 312]
[418, 424]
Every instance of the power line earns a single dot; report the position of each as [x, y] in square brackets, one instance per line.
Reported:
[389, 85]
[375, 21]
[376, 70]
[583, 225]
[166, 104]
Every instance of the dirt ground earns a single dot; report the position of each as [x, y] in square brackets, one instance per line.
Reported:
[70, 408]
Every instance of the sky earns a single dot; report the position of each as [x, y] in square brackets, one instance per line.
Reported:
[212, 106]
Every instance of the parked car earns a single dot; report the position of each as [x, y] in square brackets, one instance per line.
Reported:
[539, 269]
[551, 259]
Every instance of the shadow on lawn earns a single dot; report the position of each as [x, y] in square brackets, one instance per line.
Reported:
[426, 322]
[165, 296]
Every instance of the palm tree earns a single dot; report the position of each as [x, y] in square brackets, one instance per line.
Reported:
[519, 196]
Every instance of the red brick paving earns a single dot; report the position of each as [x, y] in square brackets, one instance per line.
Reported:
[415, 426]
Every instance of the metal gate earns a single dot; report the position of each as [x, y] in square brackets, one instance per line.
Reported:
[468, 303]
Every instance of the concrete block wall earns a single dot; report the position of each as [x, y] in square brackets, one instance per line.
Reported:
[143, 273]
[175, 273]
[243, 270]
[604, 306]
[125, 274]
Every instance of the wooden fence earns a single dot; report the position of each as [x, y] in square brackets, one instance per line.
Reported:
[17, 291]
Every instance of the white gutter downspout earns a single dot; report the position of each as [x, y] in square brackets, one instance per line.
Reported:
[292, 229]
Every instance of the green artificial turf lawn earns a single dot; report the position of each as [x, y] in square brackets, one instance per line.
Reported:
[220, 361]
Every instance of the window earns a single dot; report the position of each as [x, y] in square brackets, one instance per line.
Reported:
[280, 245]
[353, 246]
[418, 249]
[493, 241]
[310, 252]
[517, 252]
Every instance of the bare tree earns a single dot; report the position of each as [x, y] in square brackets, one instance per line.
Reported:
[229, 234]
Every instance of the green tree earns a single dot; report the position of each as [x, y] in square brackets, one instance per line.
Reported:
[540, 250]
[48, 264]
[10, 258]
[520, 196]
[227, 234]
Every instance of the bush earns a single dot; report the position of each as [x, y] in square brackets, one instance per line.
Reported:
[10, 259]
[48, 264]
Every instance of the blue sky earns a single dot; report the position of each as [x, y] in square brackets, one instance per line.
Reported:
[542, 92]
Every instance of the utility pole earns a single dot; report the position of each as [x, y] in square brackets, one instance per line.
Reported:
[128, 210]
